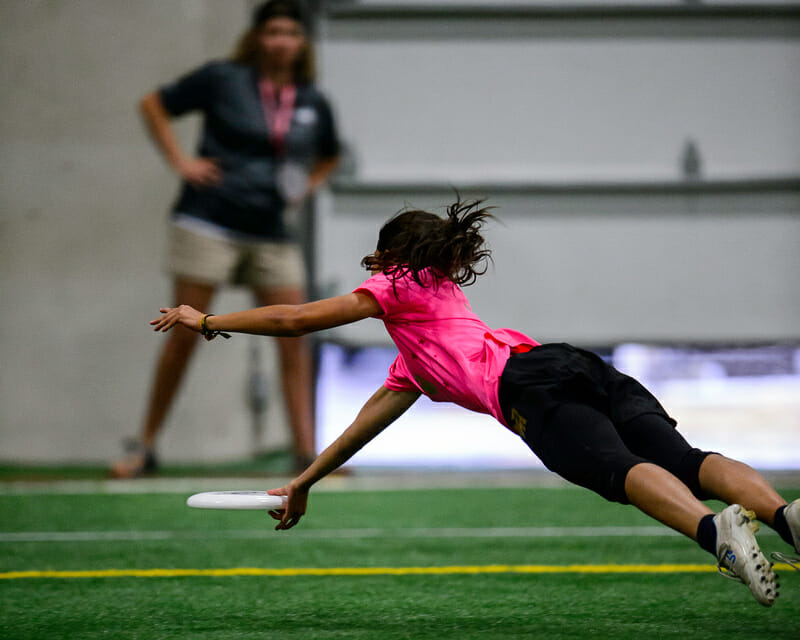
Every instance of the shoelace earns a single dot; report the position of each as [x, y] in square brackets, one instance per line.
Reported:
[725, 572]
[792, 561]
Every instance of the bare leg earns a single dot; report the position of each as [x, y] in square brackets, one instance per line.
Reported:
[174, 358]
[659, 494]
[296, 373]
[171, 366]
[735, 482]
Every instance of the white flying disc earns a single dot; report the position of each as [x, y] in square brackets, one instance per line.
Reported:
[236, 500]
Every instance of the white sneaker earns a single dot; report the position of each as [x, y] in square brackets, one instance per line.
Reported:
[792, 515]
[739, 556]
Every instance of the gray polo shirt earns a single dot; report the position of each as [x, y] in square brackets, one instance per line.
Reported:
[235, 133]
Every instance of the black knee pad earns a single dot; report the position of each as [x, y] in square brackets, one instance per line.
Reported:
[688, 471]
[609, 479]
[617, 483]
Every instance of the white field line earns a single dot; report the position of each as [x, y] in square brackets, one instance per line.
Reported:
[400, 481]
[248, 534]
[356, 482]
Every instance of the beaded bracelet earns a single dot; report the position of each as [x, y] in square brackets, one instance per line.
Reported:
[211, 333]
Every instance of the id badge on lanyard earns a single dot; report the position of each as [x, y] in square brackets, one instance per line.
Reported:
[278, 104]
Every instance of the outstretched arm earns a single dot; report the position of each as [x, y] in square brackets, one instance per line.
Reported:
[383, 408]
[276, 320]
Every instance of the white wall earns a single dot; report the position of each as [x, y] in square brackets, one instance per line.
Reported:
[567, 110]
[527, 97]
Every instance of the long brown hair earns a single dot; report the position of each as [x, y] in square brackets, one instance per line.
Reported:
[247, 52]
[415, 240]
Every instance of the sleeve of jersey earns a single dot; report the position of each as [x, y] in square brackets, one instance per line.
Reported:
[188, 93]
[399, 378]
[380, 287]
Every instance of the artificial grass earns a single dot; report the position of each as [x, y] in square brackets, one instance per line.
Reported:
[701, 605]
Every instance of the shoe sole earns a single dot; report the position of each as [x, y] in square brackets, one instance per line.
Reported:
[761, 580]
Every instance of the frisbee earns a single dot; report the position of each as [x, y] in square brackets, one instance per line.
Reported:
[236, 500]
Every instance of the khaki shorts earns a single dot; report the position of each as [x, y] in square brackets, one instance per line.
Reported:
[219, 260]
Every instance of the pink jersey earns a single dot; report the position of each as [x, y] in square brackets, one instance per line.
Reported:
[446, 351]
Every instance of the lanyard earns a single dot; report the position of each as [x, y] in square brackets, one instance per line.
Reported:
[278, 107]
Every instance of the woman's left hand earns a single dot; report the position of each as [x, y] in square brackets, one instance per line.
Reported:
[184, 315]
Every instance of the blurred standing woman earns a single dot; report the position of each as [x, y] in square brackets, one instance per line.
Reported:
[268, 141]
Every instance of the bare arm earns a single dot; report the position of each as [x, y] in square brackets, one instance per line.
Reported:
[277, 320]
[383, 408]
[199, 172]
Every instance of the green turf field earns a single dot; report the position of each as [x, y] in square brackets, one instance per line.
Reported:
[455, 563]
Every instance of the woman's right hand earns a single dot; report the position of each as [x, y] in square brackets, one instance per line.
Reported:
[183, 315]
[201, 173]
[294, 509]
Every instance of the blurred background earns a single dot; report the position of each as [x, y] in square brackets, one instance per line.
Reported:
[644, 158]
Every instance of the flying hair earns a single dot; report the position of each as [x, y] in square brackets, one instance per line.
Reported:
[414, 240]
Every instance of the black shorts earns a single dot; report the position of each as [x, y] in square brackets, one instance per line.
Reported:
[589, 422]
